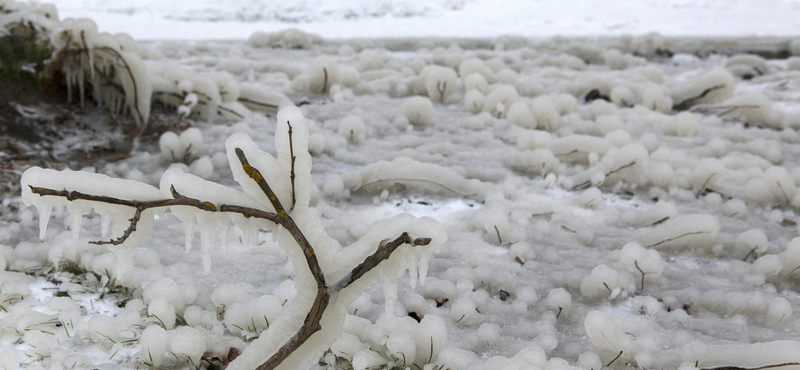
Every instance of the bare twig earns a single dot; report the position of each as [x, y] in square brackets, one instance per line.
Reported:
[677, 237]
[615, 359]
[253, 102]
[325, 80]
[686, 104]
[621, 168]
[642, 272]
[291, 173]
[752, 251]
[385, 250]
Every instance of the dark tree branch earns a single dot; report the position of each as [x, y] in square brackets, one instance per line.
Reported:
[385, 250]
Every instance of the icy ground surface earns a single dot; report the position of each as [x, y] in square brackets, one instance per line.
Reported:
[524, 235]
[232, 19]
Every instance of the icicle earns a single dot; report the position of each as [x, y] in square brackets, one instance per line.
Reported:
[423, 267]
[389, 284]
[91, 62]
[120, 257]
[223, 238]
[207, 243]
[69, 85]
[253, 231]
[105, 221]
[80, 87]
[77, 220]
[411, 264]
[44, 218]
[189, 235]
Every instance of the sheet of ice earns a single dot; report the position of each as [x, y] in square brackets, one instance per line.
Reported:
[477, 18]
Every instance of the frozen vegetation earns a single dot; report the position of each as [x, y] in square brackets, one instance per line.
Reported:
[430, 204]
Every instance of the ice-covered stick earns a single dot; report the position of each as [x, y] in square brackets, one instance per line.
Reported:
[141, 206]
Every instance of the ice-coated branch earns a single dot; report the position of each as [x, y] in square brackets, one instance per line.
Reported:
[255, 174]
[141, 206]
[384, 251]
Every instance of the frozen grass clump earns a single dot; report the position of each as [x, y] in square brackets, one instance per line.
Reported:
[418, 110]
[622, 96]
[440, 82]
[645, 264]
[353, 129]
[683, 232]
[370, 59]
[539, 161]
[520, 114]
[118, 77]
[383, 174]
[475, 81]
[470, 66]
[655, 99]
[753, 108]
[781, 184]
[533, 139]
[319, 77]
[685, 124]
[747, 66]
[626, 163]
[711, 87]
[474, 101]
[290, 38]
[500, 100]
[546, 113]
[261, 99]
[153, 341]
[578, 148]
[559, 301]
[605, 282]
[708, 175]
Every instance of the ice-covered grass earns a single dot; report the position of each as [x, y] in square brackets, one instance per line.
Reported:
[582, 231]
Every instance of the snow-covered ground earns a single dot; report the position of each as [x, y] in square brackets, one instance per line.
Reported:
[237, 19]
[629, 202]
